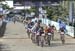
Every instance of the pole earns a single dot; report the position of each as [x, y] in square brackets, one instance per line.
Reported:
[71, 12]
[74, 27]
[24, 11]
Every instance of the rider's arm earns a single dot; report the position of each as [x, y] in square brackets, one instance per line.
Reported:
[32, 28]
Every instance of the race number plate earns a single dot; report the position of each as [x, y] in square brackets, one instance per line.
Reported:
[37, 34]
[49, 33]
[43, 34]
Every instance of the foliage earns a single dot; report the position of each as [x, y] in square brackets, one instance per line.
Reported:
[33, 9]
[55, 12]
[2, 0]
[5, 6]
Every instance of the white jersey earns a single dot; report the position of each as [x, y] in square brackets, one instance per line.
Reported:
[34, 27]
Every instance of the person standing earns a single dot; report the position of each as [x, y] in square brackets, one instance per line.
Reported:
[14, 20]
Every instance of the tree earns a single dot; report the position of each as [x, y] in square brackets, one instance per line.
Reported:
[33, 9]
[54, 13]
[5, 6]
[2, 0]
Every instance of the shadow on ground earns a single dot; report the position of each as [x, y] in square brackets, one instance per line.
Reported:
[58, 44]
[3, 47]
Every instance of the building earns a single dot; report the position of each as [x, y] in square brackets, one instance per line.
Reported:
[26, 3]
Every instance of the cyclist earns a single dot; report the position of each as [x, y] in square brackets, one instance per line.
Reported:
[29, 26]
[62, 36]
[52, 32]
[34, 30]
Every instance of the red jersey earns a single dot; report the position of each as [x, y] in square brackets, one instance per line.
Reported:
[49, 30]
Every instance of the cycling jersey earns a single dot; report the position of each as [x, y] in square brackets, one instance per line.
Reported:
[46, 30]
[49, 30]
[29, 25]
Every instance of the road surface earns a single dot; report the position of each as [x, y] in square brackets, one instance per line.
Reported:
[15, 39]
